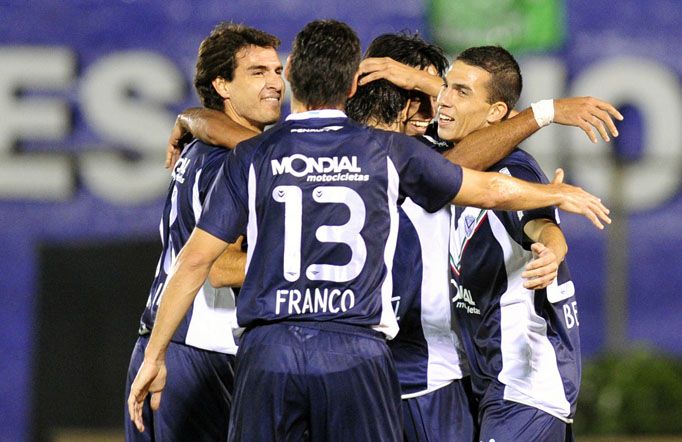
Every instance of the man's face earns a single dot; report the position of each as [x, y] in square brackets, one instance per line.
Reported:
[257, 88]
[463, 104]
[421, 110]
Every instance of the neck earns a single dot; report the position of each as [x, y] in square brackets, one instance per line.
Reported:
[393, 127]
[240, 120]
[297, 106]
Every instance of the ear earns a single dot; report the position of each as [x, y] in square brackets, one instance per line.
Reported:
[402, 117]
[354, 85]
[287, 68]
[222, 87]
[496, 113]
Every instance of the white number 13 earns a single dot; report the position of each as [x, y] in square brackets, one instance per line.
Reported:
[348, 233]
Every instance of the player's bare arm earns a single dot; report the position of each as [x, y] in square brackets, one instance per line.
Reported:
[492, 190]
[186, 278]
[402, 75]
[229, 269]
[483, 148]
[210, 126]
[549, 250]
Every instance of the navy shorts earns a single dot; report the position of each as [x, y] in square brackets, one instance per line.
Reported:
[195, 404]
[506, 421]
[315, 381]
[441, 415]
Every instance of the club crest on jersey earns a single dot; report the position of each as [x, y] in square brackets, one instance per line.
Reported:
[469, 225]
[318, 169]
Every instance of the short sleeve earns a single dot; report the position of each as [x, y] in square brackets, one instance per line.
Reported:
[225, 213]
[213, 165]
[518, 219]
[426, 177]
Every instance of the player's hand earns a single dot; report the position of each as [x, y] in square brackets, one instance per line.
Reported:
[176, 142]
[377, 68]
[401, 75]
[150, 378]
[542, 270]
[587, 113]
[576, 200]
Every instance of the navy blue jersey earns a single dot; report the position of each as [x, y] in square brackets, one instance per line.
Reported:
[426, 351]
[209, 321]
[522, 345]
[317, 196]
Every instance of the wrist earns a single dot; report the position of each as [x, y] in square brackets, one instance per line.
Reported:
[543, 111]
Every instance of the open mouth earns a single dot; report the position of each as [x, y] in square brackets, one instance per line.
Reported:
[444, 119]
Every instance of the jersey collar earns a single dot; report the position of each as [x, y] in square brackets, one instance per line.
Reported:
[318, 113]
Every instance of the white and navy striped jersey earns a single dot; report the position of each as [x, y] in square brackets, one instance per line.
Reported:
[426, 351]
[317, 196]
[209, 322]
[522, 345]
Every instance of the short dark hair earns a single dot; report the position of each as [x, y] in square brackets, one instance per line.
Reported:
[217, 57]
[505, 76]
[381, 100]
[324, 59]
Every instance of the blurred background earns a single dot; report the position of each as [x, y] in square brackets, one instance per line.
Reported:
[89, 91]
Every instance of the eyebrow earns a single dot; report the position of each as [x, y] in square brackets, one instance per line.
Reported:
[460, 86]
[261, 67]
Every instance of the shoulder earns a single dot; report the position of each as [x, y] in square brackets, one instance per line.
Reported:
[520, 163]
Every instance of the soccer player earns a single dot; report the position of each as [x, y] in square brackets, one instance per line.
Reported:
[513, 297]
[317, 196]
[239, 73]
[435, 405]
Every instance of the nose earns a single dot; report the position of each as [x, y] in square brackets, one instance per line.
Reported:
[275, 81]
[443, 99]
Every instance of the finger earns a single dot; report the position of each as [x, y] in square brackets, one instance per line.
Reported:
[610, 109]
[169, 154]
[607, 121]
[539, 283]
[587, 128]
[175, 156]
[376, 75]
[156, 400]
[546, 268]
[597, 123]
[558, 176]
[537, 248]
[591, 215]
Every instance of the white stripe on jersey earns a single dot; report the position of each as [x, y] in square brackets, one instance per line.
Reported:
[252, 226]
[196, 202]
[388, 323]
[444, 363]
[530, 371]
[213, 315]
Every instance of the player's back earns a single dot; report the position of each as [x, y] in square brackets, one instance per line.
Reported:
[208, 323]
[322, 217]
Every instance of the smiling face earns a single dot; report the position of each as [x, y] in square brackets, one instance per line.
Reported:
[254, 96]
[463, 104]
[421, 110]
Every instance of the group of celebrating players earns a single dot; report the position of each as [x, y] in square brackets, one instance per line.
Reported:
[388, 290]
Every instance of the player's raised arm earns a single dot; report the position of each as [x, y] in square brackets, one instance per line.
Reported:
[210, 126]
[484, 147]
[493, 190]
[186, 278]
[402, 75]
